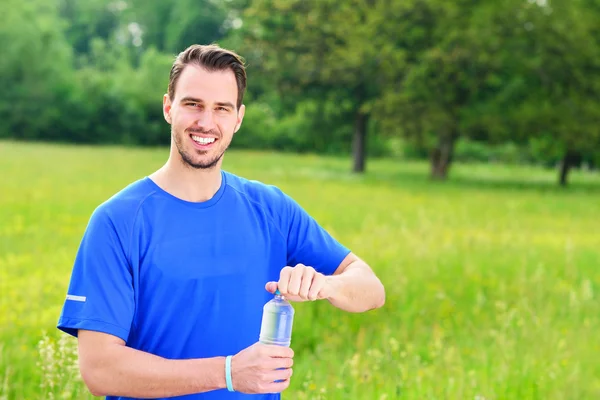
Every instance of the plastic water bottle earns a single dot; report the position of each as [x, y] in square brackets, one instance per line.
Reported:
[277, 321]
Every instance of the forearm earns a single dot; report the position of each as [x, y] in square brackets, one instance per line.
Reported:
[356, 289]
[123, 371]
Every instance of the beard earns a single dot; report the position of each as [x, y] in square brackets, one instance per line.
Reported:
[187, 156]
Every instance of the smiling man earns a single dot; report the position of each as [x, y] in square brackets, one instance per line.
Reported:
[171, 275]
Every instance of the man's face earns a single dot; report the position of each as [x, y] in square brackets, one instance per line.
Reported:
[203, 115]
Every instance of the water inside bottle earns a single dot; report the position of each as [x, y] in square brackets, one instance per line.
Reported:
[277, 321]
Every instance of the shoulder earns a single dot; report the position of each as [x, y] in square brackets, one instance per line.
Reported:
[268, 199]
[119, 212]
[266, 195]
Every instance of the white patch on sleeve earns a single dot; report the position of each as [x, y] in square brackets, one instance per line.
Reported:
[76, 298]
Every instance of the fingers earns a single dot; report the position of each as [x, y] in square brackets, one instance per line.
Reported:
[278, 387]
[284, 279]
[300, 283]
[262, 368]
[280, 363]
[318, 283]
[280, 374]
[307, 280]
[273, 350]
[271, 287]
[295, 280]
[279, 369]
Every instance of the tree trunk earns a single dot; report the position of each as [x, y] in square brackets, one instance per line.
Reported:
[569, 160]
[359, 142]
[441, 157]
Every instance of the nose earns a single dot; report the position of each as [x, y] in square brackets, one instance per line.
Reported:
[206, 121]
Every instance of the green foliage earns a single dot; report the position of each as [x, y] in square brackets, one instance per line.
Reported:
[515, 71]
[556, 97]
[34, 69]
[172, 25]
[87, 21]
[339, 51]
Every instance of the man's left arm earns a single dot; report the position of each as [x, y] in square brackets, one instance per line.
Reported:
[320, 267]
[353, 287]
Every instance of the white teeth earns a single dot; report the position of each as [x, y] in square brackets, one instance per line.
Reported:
[201, 140]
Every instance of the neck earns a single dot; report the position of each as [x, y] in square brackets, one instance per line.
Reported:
[187, 183]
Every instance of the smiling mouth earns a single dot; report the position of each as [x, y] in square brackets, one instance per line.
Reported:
[203, 140]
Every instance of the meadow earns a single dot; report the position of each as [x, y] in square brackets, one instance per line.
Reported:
[492, 277]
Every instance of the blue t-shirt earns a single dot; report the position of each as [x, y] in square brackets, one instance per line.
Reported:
[187, 280]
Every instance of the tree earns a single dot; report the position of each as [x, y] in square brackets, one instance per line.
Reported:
[90, 20]
[554, 101]
[34, 69]
[518, 71]
[446, 77]
[568, 94]
[314, 49]
[172, 25]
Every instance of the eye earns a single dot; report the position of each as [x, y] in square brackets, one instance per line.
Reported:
[222, 108]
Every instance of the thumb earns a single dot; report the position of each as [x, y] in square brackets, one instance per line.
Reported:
[271, 287]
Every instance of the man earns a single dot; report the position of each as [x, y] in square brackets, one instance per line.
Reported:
[169, 282]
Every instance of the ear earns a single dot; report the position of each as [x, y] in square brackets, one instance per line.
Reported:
[167, 108]
[240, 118]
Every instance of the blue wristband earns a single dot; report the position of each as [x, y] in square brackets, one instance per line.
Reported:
[228, 373]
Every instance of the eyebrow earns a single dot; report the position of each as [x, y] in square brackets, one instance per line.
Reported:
[195, 100]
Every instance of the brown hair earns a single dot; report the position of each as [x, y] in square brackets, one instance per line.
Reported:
[212, 58]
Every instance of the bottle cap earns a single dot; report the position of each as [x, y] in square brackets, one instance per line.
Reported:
[277, 291]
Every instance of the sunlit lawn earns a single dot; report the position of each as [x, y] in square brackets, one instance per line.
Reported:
[492, 278]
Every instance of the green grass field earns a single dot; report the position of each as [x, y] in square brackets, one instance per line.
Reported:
[492, 278]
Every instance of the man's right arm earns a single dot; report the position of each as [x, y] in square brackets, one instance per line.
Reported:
[108, 367]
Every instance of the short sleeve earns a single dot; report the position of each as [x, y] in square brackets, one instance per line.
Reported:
[100, 295]
[309, 243]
